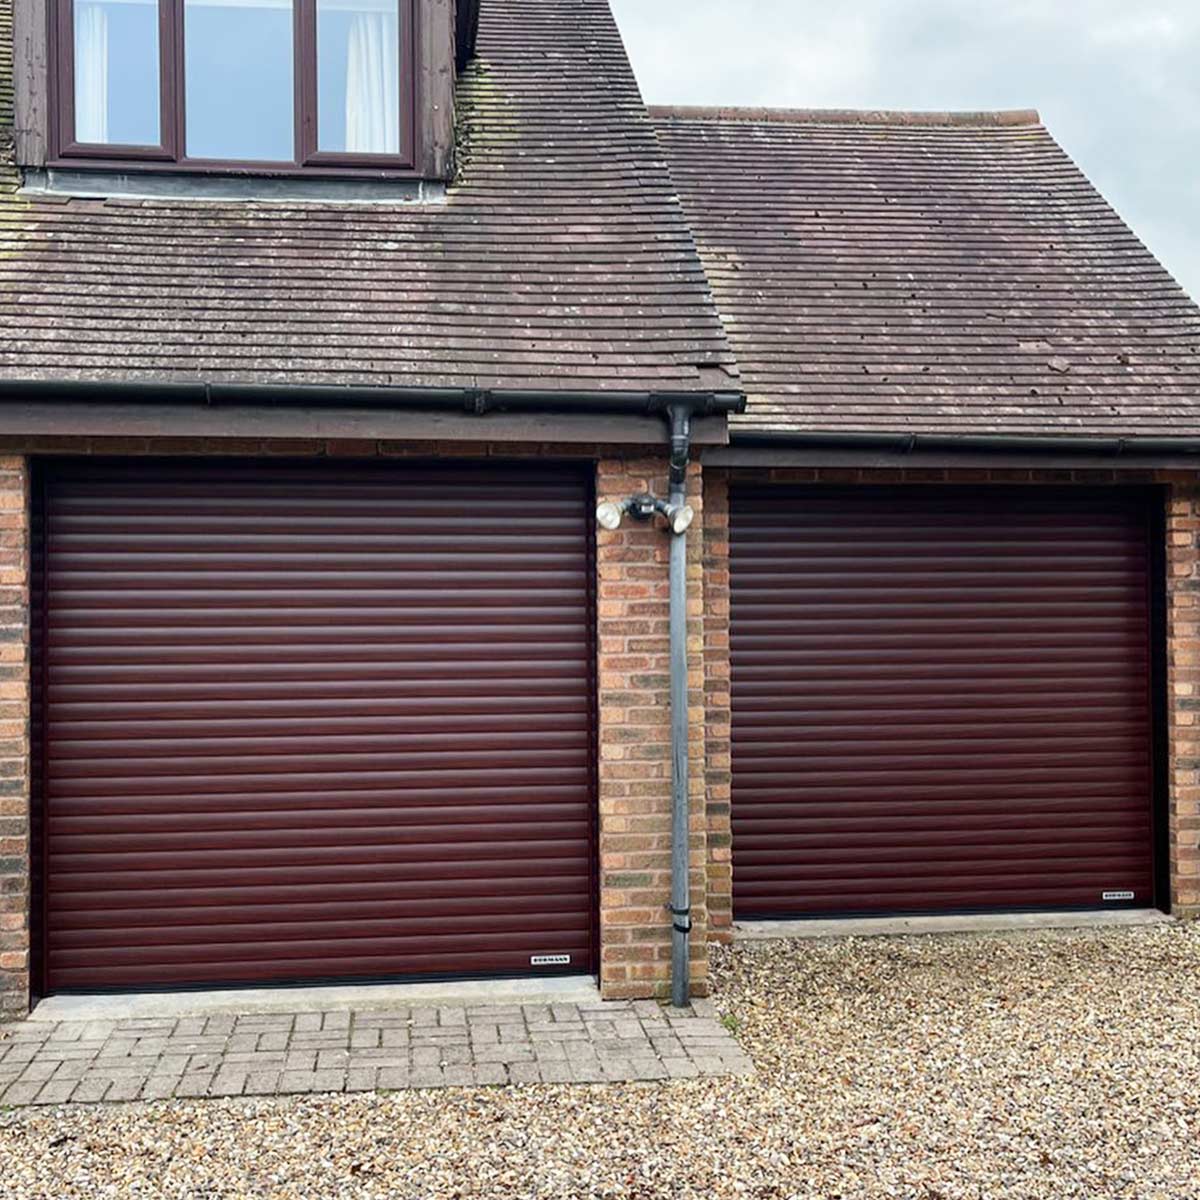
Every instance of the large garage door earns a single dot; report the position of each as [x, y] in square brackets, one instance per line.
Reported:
[941, 701]
[311, 723]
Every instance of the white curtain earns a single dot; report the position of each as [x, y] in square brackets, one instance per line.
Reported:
[91, 72]
[373, 85]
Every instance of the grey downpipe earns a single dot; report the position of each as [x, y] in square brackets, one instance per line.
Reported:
[681, 910]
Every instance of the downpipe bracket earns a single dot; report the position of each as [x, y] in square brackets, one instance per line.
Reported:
[685, 913]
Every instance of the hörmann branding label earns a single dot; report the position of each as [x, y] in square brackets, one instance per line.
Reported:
[1118, 896]
[549, 960]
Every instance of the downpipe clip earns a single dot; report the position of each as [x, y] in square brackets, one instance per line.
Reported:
[685, 913]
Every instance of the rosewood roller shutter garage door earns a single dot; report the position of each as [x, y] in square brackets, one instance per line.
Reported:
[309, 722]
[941, 700]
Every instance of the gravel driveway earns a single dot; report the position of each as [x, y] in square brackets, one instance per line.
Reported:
[1004, 1065]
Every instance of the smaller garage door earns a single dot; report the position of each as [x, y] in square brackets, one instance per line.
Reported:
[941, 700]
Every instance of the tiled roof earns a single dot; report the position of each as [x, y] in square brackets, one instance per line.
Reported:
[560, 259]
[929, 273]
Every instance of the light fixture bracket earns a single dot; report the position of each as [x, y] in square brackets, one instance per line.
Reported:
[643, 506]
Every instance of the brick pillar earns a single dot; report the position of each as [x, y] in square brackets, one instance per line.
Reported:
[1183, 695]
[635, 740]
[717, 705]
[14, 736]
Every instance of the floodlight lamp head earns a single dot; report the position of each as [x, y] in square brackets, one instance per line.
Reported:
[679, 517]
[608, 515]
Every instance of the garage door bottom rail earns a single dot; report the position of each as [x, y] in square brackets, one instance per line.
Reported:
[331, 981]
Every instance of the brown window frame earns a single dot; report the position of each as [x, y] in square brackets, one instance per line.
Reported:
[309, 160]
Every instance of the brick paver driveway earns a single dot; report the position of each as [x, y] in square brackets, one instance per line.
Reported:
[233, 1055]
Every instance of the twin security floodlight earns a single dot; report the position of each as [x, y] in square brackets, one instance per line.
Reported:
[644, 507]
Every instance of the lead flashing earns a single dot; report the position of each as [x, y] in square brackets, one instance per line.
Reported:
[147, 185]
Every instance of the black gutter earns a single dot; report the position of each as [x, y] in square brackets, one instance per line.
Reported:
[982, 443]
[478, 401]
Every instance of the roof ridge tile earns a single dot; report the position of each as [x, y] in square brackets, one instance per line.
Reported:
[998, 118]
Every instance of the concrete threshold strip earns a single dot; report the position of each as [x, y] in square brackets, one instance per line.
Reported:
[572, 989]
[846, 927]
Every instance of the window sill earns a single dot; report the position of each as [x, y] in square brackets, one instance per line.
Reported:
[315, 187]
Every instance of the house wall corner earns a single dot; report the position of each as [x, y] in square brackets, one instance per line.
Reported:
[1183, 696]
[15, 829]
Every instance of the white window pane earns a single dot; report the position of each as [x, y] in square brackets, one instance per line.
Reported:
[358, 76]
[238, 73]
[116, 72]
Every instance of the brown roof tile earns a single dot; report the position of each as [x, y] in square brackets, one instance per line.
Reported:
[929, 273]
[561, 258]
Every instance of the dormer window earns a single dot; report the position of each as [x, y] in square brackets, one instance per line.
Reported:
[237, 85]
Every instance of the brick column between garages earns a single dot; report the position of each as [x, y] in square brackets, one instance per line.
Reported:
[635, 740]
[1183, 695]
[718, 719]
[14, 736]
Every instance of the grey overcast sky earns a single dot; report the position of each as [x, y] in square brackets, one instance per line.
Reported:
[1117, 81]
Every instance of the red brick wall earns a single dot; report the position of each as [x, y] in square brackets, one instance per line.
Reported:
[635, 740]
[1183, 694]
[717, 705]
[14, 735]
